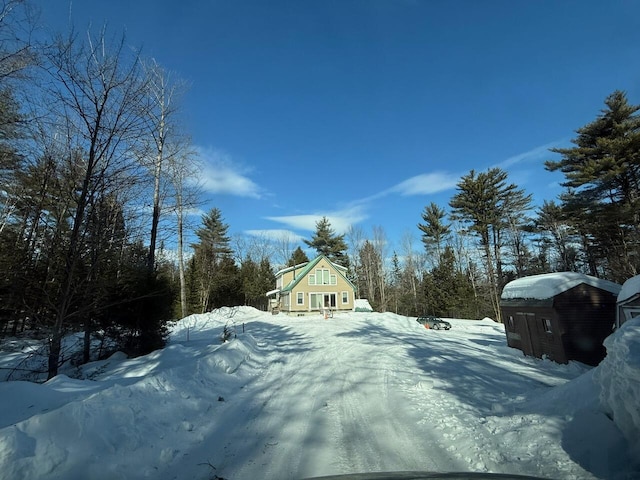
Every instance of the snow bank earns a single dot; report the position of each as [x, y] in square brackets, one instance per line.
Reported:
[619, 378]
[549, 285]
[362, 305]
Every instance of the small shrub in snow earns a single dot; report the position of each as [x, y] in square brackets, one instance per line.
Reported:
[228, 332]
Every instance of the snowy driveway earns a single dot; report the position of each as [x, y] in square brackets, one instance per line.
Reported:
[360, 393]
[329, 402]
[299, 397]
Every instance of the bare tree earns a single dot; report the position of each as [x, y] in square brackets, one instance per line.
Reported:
[160, 111]
[181, 168]
[355, 241]
[368, 269]
[412, 268]
[284, 247]
[16, 54]
[17, 21]
[380, 244]
[96, 86]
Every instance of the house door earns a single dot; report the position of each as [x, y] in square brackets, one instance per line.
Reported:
[329, 300]
[322, 300]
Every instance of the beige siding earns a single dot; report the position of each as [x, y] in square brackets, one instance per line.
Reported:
[309, 295]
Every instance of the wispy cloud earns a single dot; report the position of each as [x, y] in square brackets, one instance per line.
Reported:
[221, 175]
[276, 235]
[426, 183]
[423, 184]
[340, 220]
[536, 154]
[356, 211]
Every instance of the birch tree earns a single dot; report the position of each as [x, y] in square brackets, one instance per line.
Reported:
[182, 167]
[160, 112]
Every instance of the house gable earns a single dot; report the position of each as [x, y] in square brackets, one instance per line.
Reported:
[311, 286]
[309, 268]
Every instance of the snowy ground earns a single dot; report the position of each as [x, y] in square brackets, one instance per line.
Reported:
[295, 397]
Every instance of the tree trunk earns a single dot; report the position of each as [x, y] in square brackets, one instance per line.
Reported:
[86, 350]
[183, 283]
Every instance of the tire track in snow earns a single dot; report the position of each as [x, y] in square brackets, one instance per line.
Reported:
[332, 408]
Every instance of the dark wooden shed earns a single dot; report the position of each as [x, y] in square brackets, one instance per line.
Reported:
[562, 316]
[628, 301]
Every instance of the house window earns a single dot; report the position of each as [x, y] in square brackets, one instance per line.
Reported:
[345, 297]
[300, 298]
[322, 277]
[547, 325]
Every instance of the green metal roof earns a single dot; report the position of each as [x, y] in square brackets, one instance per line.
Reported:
[308, 267]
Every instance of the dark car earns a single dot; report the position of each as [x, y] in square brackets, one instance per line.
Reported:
[434, 322]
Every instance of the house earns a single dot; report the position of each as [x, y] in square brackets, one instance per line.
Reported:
[311, 287]
[628, 305]
[562, 316]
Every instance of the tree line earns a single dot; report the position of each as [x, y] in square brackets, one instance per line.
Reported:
[96, 177]
[492, 233]
[94, 170]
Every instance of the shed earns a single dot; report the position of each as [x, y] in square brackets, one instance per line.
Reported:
[628, 305]
[562, 316]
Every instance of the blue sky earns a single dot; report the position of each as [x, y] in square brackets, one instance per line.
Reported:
[366, 111]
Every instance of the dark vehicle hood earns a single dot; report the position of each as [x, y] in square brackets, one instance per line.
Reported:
[426, 476]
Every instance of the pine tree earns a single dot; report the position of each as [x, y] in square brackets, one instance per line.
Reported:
[326, 242]
[558, 234]
[434, 230]
[489, 206]
[257, 279]
[602, 173]
[211, 255]
[298, 257]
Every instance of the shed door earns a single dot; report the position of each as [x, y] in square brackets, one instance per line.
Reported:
[530, 342]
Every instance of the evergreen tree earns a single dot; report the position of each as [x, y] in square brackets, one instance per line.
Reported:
[139, 305]
[489, 206]
[298, 257]
[449, 292]
[257, 279]
[211, 261]
[434, 230]
[226, 288]
[558, 235]
[326, 242]
[602, 173]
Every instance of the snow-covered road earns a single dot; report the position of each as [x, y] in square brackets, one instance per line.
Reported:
[329, 402]
[298, 397]
[364, 393]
